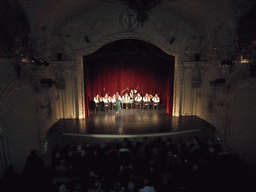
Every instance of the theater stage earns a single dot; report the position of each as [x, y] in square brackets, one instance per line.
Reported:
[130, 123]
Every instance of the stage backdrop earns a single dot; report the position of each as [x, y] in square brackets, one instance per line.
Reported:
[126, 64]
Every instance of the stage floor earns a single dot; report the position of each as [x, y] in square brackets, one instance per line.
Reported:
[129, 122]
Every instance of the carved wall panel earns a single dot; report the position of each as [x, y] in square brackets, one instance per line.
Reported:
[20, 123]
[192, 87]
[241, 119]
[58, 104]
[187, 92]
[65, 95]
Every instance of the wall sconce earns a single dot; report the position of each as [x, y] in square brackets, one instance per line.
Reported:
[36, 62]
[45, 63]
[40, 62]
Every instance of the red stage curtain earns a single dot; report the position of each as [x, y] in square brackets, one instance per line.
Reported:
[119, 72]
[86, 96]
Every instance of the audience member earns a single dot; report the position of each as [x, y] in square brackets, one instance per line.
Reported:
[34, 164]
[121, 166]
[70, 159]
[147, 187]
[33, 170]
[56, 159]
[11, 181]
[63, 188]
[131, 187]
[61, 169]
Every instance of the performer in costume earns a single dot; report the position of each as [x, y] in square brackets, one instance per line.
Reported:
[126, 97]
[97, 100]
[150, 96]
[156, 101]
[131, 94]
[118, 96]
[146, 101]
[109, 99]
[110, 102]
[137, 100]
[113, 101]
[118, 103]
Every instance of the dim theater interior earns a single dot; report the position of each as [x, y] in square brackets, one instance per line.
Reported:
[64, 64]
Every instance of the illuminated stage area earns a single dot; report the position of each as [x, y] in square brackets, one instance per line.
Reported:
[135, 123]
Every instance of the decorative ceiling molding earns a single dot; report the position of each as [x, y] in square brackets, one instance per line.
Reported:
[157, 41]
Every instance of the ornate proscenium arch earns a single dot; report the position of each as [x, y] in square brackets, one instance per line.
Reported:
[157, 41]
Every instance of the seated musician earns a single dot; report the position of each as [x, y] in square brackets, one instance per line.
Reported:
[97, 100]
[146, 101]
[155, 101]
[109, 98]
[110, 101]
[113, 100]
[137, 100]
[132, 93]
[126, 97]
[106, 102]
